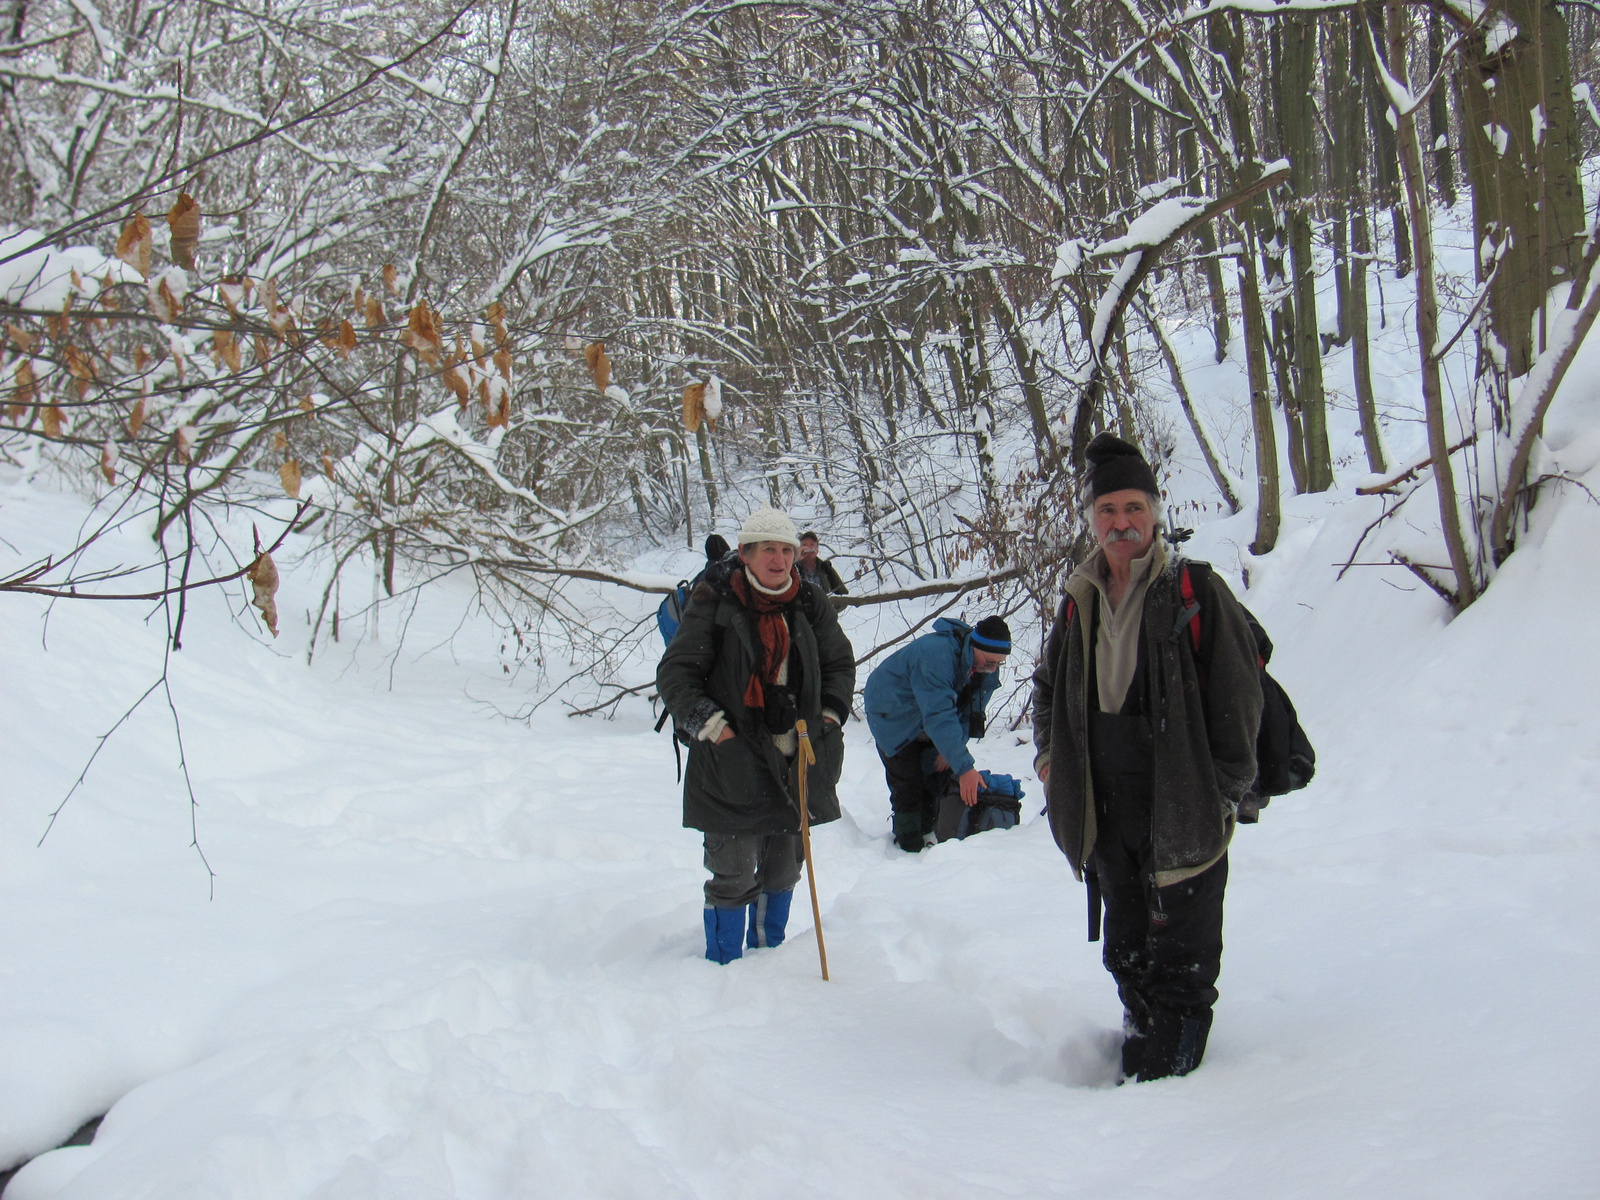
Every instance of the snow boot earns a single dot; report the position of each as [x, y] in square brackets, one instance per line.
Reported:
[724, 934]
[908, 831]
[768, 917]
[1174, 1045]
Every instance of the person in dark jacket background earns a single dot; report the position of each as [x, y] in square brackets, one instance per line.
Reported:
[757, 650]
[818, 570]
[1145, 747]
[923, 703]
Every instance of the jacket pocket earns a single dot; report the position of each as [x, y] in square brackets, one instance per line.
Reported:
[829, 747]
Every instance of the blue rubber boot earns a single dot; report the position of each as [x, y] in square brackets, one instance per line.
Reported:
[724, 934]
[769, 916]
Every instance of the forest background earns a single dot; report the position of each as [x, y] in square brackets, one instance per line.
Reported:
[519, 290]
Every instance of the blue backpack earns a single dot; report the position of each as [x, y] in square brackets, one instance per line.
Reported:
[999, 806]
[670, 614]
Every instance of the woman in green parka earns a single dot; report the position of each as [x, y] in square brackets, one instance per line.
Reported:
[757, 650]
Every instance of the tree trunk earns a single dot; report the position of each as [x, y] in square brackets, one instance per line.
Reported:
[1266, 437]
[1300, 144]
[1360, 349]
[1444, 175]
[1219, 474]
[1416, 191]
[1522, 161]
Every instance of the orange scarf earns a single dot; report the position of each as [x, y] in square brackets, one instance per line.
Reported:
[772, 628]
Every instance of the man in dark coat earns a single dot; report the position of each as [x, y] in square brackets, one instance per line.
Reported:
[1145, 747]
[818, 570]
[757, 650]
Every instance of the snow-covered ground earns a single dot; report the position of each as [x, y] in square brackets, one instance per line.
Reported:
[452, 955]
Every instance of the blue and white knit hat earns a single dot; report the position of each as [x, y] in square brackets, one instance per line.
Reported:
[992, 634]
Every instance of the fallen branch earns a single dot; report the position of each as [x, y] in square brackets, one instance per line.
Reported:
[1420, 570]
[1388, 485]
[662, 585]
[938, 587]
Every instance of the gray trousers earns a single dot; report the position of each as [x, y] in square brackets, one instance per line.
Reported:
[743, 865]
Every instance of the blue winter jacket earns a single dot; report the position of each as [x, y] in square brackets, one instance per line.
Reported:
[914, 691]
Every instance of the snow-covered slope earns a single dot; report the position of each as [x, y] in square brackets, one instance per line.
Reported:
[451, 955]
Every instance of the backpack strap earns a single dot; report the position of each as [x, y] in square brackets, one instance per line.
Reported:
[1190, 615]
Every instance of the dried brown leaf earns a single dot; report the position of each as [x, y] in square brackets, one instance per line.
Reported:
[599, 365]
[183, 219]
[54, 418]
[290, 474]
[263, 577]
[346, 341]
[133, 245]
[694, 406]
[391, 279]
[376, 318]
[422, 333]
[502, 362]
[164, 303]
[183, 441]
[108, 461]
[307, 404]
[20, 338]
[81, 367]
[60, 324]
[23, 388]
[136, 418]
[456, 380]
[227, 350]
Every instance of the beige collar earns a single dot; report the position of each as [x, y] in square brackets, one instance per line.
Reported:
[765, 591]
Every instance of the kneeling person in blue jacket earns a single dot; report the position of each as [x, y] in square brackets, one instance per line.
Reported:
[923, 702]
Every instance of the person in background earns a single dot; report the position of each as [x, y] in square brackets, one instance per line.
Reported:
[716, 550]
[923, 703]
[758, 648]
[819, 570]
[1146, 746]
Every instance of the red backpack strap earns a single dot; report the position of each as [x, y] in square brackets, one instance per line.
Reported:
[1186, 589]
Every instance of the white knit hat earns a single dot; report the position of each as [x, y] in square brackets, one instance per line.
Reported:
[767, 524]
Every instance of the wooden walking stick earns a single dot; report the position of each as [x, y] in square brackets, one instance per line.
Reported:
[806, 758]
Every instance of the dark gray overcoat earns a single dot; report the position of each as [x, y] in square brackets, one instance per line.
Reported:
[743, 785]
[1204, 712]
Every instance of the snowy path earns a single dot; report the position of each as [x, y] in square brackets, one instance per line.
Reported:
[452, 956]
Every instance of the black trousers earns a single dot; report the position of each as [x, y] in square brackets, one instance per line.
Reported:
[913, 793]
[1163, 946]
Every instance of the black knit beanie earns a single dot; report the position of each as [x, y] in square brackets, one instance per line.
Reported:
[1114, 466]
[716, 548]
[992, 634]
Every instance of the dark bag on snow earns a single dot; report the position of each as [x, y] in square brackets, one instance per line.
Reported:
[1285, 759]
[999, 806]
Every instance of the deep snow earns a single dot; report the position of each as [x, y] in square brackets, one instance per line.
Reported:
[455, 955]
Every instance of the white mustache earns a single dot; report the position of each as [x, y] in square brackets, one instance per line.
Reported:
[1124, 535]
